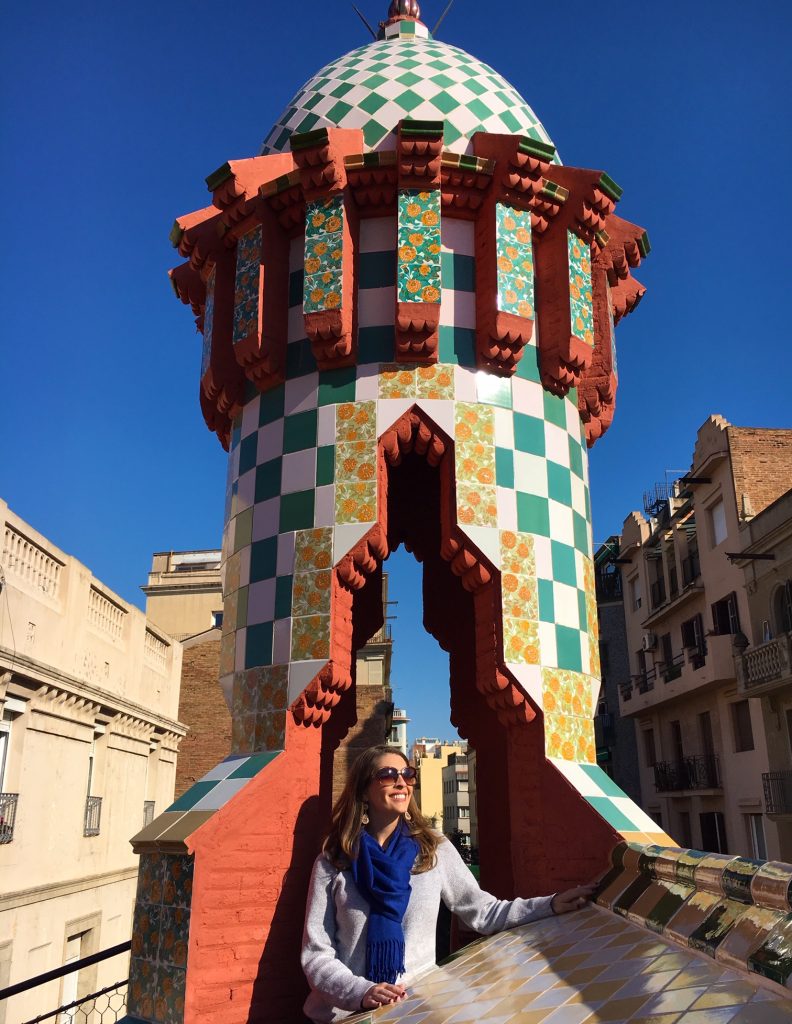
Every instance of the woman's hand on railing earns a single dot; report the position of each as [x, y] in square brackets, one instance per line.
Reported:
[381, 995]
[572, 899]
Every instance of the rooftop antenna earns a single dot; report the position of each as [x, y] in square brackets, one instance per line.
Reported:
[442, 16]
[362, 18]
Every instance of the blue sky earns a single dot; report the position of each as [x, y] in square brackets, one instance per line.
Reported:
[112, 115]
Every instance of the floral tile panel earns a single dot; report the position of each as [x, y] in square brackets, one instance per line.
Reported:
[580, 299]
[324, 253]
[247, 283]
[419, 246]
[514, 254]
[206, 349]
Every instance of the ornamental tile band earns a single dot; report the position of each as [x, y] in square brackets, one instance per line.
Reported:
[246, 285]
[324, 237]
[580, 297]
[514, 261]
[419, 246]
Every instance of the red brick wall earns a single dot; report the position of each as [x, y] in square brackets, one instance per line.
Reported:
[203, 709]
[761, 463]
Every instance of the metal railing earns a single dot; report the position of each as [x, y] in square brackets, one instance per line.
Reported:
[777, 792]
[93, 815]
[608, 586]
[699, 771]
[672, 669]
[8, 808]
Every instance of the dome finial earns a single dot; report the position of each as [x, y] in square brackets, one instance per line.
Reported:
[400, 9]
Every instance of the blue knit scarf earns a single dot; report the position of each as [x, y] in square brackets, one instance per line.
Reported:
[383, 878]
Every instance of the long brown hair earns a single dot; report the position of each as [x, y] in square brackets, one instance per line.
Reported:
[342, 841]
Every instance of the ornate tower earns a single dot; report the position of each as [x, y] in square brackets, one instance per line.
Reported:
[408, 309]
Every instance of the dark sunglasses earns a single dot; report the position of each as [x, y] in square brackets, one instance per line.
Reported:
[387, 776]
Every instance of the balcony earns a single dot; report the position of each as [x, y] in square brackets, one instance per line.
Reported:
[691, 570]
[778, 792]
[766, 668]
[699, 771]
[671, 670]
[93, 815]
[658, 593]
[8, 806]
[694, 669]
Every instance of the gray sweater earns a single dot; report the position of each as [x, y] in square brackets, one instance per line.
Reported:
[336, 920]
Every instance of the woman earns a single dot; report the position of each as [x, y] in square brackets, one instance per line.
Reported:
[375, 894]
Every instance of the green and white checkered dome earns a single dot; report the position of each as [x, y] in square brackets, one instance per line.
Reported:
[406, 75]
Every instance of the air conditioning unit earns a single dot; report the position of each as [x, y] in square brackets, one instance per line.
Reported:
[648, 642]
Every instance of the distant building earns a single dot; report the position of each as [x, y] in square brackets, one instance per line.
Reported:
[184, 593]
[398, 733]
[614, 736]
[89, 732]
[764, 668]
[473, 799]
[704, 746]
[456, 798]
[430, 756]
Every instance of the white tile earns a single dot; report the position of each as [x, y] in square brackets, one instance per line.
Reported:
[527, 396]
[281, 641]
[376, 306]
[577, 777]
[458, 235]
[487, 540]
[547, 644]
[530, 474]
[239, 650]
[440, 411]
[530, 679]
[572, 419]
[270, 441]
[346, 536]
[458, 309]
[378, 234]
[302, 393]
[506, 501]
[464, 384]
[220, 794]
[543, 557]
[246, 490]
[325, 425]
[324, 507]
[504, 427]
[261, 602]
[300, 675]
[631, 810]
[284, 565]
[565, 605]
[556, 444]
[297, 253]
[244, 566]
[295, 326]
[367, 383]
[389, 410]
[578, 495]
[265, 519]
[227, 688]
[561, 528]
[233, 466]
[250, 416]
[223, 770]
[596, 689]
[299, 471]
[585, 648]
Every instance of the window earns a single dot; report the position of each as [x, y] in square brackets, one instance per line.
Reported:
[782, 608]
[649, 747]
[5, 743]
[666, 653]
[741, 723]
[717, 517]
[635, 593]
[705, 732]
[693, 640]
[685, 835]
[756, 836]
[217, 619]
[676, 740]
[604, 658]
[725, 617]
[713, 831]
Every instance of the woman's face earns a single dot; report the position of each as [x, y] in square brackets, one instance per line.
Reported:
[387, 798]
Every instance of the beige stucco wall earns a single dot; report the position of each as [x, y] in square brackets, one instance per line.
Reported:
[184, 591]
[430, 779]
[83, 676]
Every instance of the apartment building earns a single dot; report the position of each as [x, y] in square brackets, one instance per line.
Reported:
[764, 666]
[456, 797]
[702, 743]
[89, 733]
[430, 756]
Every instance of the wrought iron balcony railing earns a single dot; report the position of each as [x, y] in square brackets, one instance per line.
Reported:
[672, 669]
[691, 570]
[93, 815]
[8, 807]
[778, 792]
[699, 771]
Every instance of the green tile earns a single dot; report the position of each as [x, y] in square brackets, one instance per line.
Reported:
[580, 530]
[533, 514]
[457, 345]
[250, 392]
[189, 799]
[243, 529]
[341, 90]
[268, 480]
[338, 111]
[458, 272]
[602, 779]
[408, 100]
[575, 458]
[546, 601]
[263, 559]
[442, 80]
[555, 409]
[568, 649]
[377, 269]
[374, 133]
[376, 345]
[247, 452]
[325, 464]
[528, 366]
[529, 434]
[372, 102]
[337, 386]
[299, 431]
[306, 124]
[242, 607]
[253, 765]
[559, 483]
[582, 610]
[296, 511]
[296, 287]
[283, 597]
[271, 406]
[443, 101]
[299, 359]
[611, 813]
[563, 563]
[475, 86]
[258, 645]
[504, 467]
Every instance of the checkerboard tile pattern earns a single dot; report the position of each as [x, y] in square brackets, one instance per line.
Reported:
[588, 967]
[377, 85]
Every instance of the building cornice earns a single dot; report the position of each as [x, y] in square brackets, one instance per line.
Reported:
[53, 890]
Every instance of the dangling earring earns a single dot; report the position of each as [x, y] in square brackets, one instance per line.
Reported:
[407, 816]
[365, 818]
